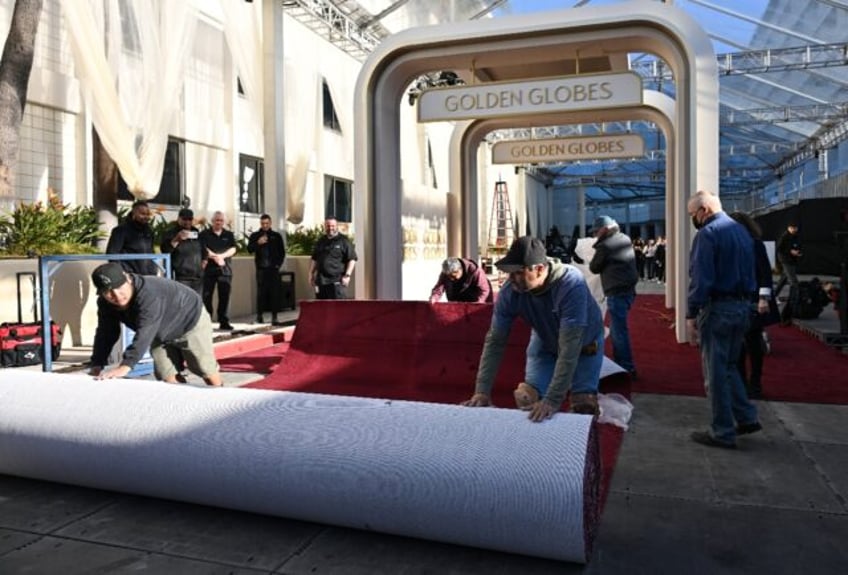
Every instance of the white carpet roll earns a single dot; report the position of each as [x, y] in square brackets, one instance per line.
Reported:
[480, 477]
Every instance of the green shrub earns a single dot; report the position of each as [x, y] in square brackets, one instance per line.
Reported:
[301, 242]
[38, 229]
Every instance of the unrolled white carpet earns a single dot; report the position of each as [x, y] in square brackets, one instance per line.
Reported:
[480, 477]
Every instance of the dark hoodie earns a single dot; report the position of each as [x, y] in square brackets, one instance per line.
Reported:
[615, 261]
[131, 237]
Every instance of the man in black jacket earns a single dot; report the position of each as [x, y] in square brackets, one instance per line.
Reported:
[167, 317]
[184, 246]
[134, 236]
[615, 261]
[788, 254]
[269, 253]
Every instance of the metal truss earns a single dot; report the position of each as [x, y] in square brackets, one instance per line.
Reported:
[817, 113]
[808, 57]
[339, 23]
[345, 24]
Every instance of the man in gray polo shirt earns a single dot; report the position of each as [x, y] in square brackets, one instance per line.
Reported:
[168, 318]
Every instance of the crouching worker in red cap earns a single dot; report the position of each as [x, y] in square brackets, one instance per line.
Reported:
[167, 317]
[566, 349]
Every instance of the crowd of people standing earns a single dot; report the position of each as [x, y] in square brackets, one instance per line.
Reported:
[650, 258]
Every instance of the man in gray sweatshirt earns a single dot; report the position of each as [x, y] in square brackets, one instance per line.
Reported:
[168, 318]
[615, 262]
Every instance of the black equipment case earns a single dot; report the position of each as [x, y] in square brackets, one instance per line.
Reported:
[22, 343]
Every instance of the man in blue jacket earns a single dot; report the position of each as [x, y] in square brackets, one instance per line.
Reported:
[565, 352]
[721, 285]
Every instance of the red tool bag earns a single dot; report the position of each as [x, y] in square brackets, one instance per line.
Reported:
[21, 343]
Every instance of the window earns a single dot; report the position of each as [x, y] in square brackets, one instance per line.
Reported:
[331, 120]
[339, 195]
[171, 187]
[252, 178]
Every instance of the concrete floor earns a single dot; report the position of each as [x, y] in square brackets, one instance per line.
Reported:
[778, 504]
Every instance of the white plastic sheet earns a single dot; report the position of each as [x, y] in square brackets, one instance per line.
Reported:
[482, 477]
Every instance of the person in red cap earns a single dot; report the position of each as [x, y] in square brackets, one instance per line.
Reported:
[167, 317]
[565, 352]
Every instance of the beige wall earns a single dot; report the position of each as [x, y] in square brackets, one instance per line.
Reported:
[73, 302]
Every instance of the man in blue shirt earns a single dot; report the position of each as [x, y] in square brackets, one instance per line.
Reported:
[722, 283]
[566, 338]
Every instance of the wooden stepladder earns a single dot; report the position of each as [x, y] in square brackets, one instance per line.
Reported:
[501, 224]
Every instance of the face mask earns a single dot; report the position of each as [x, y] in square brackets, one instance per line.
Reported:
[698, 225]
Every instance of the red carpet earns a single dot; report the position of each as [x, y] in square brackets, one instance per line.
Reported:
[799, 369]
[409, 351]
[263, 360]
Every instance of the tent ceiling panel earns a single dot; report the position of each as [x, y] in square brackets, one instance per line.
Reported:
[783, 67]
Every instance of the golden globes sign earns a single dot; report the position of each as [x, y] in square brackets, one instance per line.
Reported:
[499, 99]
[609, 146]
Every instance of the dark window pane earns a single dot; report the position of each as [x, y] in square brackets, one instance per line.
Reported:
[252, 179]
[331, 120]
[339, 195]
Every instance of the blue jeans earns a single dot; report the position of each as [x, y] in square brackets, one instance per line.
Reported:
[539, 369]
[722, 326]
[619, 306]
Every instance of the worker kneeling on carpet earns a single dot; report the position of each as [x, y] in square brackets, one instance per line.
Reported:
[566, 338]
[167, 317]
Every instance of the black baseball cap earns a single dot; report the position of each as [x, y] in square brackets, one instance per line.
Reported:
[108, 276]
[186, 213]
[524, 252]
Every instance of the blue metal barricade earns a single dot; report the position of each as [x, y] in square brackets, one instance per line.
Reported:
[48, 265]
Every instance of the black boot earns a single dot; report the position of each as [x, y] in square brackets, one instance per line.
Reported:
[755, 388]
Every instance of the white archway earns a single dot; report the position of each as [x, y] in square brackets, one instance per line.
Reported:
[463, 204]
[523, 40]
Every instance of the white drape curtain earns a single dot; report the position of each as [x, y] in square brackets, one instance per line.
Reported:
[244, 37]
[131, 82]
[301, 103]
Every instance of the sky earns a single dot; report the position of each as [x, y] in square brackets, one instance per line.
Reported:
[714, 21]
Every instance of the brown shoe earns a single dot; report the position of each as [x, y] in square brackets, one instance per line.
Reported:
[525, 396]
[584, 403]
